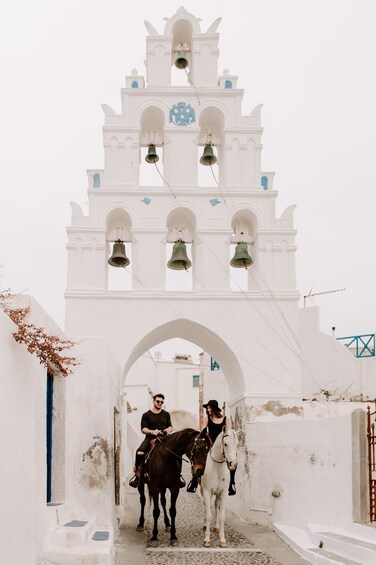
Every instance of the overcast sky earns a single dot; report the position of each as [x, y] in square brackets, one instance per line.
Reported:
[311, 63]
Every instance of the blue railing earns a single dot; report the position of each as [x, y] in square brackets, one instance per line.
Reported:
[364, 345]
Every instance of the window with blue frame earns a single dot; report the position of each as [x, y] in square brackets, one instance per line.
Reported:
[96, 180]
[134, 84]
[265, 182]
[228, 83]
[196, 381]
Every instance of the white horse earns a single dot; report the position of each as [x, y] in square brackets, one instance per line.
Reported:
[215, 482]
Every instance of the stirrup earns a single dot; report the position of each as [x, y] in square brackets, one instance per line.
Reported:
[182, 482]
[134, 481]
[232, 489]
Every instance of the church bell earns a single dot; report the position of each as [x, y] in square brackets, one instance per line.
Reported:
[152, 156]
[181, 61]
[241, 259]
[179, 258]
[118, 257]
[208, 157]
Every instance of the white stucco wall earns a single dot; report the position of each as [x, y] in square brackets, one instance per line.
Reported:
[23, 443]
[328, 364]
[308, 462]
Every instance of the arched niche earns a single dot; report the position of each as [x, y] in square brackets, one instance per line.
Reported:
[118, 225]
[181, 225]
[152, 122]
[244, 228]
[181, 221]
[211, 123]
[182, 31]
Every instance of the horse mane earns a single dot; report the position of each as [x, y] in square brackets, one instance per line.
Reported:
[173, 440]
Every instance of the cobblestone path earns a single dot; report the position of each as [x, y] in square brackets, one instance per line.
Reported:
[189, 528]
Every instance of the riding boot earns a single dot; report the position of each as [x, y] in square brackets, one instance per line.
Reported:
[193, 484]
[232, 487]
[135, 480]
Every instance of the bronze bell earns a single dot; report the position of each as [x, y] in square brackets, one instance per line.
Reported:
[181, 61]
[118, 257]
[208, 157]
[179, 258]
[152, 156]
[241, 259]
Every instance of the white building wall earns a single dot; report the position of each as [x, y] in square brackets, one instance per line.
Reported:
[300, 471]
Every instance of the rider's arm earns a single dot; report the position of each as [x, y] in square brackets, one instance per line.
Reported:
[149, 432]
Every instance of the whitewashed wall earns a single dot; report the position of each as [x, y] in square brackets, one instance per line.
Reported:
[311, 465]
[328, 364]
[23, 474]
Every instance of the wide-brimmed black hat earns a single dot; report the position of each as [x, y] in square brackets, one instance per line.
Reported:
[213, 404]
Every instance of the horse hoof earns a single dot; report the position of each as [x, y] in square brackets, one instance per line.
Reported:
[216, 530]
[174, 542]
[206, 544]
[168, 528]
[140, 529]
[223, 543]
[153, 543]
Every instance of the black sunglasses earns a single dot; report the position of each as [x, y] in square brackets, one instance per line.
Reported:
[159, 401]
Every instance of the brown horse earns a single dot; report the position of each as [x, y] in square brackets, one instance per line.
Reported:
[163, 468]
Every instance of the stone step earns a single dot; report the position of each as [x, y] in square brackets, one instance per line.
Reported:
[345, 544]
[79, 542]
[327, 546]
[79, 556]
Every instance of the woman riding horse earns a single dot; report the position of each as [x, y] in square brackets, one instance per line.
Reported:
[214, 425]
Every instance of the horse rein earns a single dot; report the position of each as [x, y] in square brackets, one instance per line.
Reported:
[190, 456]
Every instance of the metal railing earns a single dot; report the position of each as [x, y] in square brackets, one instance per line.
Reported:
[363, 345]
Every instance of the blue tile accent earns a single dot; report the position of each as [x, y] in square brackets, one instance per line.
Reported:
[134, 84]
[214, 201]
[75, 524]
[228, 83]
[182, 114]
[146, 200]
[96, 180]
[265, 182]
[101, 536]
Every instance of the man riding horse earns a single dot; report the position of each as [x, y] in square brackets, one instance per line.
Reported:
[155, 422]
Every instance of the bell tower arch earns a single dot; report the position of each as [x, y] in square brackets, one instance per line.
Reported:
[224, 226]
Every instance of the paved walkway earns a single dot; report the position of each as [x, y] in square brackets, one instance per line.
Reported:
[247, 544]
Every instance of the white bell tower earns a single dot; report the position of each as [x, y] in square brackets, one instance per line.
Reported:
[251, 333]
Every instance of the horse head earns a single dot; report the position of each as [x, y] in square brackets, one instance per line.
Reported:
[199, 453]
[230, 444]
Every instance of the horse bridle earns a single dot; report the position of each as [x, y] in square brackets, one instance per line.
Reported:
[223, 451]
[190, 456]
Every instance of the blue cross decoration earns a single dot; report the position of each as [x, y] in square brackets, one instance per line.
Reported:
[146, 200]
[182, 114]
[214, 201]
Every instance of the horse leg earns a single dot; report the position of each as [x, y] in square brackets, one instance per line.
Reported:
[165, 515]
[141, 521]
[216, 513]
[174, 497]
[156, 512]
[221, 509]
[206, 495]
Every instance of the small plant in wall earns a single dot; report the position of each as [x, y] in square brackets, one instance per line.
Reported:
[50, 349]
